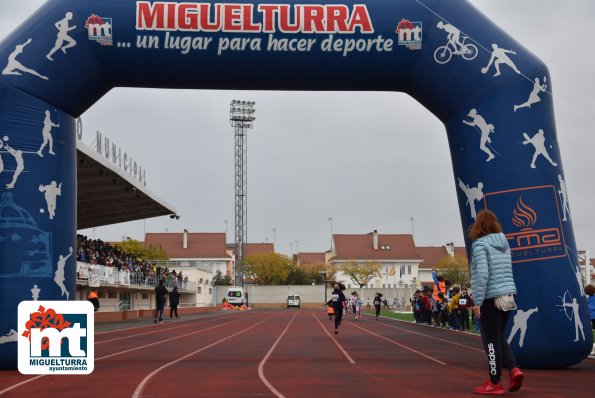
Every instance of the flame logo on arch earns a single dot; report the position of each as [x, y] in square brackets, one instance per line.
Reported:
[524, 216]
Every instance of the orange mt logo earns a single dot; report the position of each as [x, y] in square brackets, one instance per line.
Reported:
[531, 222]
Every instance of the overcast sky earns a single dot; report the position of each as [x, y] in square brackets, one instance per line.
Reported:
[368, 160]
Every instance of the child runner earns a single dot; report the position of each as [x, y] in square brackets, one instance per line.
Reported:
[337, 300]
[358, 307]
[377, 303]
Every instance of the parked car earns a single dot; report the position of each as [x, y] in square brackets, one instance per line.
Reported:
[293, 300]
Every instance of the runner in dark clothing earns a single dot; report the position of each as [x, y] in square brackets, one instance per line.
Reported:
[160, 296]
[336, 301]
[377, 303]
[174, 301]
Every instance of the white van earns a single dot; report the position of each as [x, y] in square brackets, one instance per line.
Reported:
[293, 300]
[235, 296]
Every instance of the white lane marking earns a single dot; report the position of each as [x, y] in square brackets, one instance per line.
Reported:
[400, 345]
[151, 332]
[266, 357]
[151, 325]
[435, 338]
[163, 341]
[139, 388]
[118, 353]
[20, 384]
[335, 340]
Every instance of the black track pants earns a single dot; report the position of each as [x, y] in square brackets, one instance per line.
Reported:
[493, 322]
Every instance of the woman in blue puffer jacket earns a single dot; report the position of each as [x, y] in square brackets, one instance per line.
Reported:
[491, 278]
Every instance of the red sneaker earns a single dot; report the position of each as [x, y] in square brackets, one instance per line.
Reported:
[516, 379]
[488, 388]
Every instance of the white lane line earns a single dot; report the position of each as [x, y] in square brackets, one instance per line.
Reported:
[163, 341]
[266, 357]
[160, 330]
[20, 384]
[186, 322]
[334, 340]
[400, 345]
[139, 388]
[434, 338]
[119, 353]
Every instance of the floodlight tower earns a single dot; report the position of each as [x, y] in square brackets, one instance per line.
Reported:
[241, 117]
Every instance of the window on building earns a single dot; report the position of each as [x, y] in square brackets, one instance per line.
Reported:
[145, 296]
[210, 290]
[408, 270]
[198, 289]
[383, 286]
[112, 295]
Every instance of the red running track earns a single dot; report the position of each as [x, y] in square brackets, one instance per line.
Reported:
[287, 353]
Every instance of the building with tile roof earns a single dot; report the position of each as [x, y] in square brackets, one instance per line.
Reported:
[432, 255]
[311, 258]
[199, 255]
[396, 254]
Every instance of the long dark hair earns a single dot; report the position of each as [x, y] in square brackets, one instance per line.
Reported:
[486, 223]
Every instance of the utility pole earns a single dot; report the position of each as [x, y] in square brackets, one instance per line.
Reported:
[274, 237]
[331, 221]
[241, 117]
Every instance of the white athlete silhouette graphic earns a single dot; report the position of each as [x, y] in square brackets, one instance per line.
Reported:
[473, 194]
[454, 35]
[8, 337]
[538, 142]
[520, 324]
[63, 29]
[14, 67]
[578, 325]
[455, 45]
[563, 197]
[59, 275]
[35, 292]
[534, 96]
[499, 57]
[51, 192]
[47, 134]
[18, 156]
[484, 128]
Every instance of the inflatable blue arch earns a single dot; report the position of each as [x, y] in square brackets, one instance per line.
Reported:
[491, 93]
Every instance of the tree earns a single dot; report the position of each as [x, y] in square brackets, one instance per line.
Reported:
[315, 273]
[454, 269]
[267, 269]
[361, 274]
[221, 280]
[138, 249]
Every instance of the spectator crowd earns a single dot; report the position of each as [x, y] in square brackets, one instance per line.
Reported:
[444, 305]
[99, 252]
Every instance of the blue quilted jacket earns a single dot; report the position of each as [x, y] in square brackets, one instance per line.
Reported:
[491, 268]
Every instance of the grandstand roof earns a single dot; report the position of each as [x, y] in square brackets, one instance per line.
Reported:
[107, 195]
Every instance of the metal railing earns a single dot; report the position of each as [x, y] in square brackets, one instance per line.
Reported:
[181, 264]
[137, 279]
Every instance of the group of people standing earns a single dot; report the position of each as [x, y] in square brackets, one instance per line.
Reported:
[161, 296]
[443, 305]
[494, 292]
